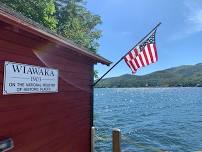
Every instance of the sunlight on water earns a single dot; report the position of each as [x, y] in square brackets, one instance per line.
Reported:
[151, 119]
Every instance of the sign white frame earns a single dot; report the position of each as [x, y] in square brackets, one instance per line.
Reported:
[22, 78]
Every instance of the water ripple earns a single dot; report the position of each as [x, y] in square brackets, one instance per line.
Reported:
[151, 119]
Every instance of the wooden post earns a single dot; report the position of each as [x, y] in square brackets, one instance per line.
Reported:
[116, 139]
[92, 139]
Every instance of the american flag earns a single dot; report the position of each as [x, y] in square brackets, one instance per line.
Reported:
[143, 54]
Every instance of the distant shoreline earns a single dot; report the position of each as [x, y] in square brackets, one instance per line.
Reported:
[182, 76]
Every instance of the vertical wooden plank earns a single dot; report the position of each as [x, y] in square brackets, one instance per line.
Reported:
[116, 139]
[51, 122]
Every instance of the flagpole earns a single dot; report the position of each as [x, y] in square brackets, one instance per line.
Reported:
[126, 54]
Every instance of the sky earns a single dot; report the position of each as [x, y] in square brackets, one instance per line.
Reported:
[125, 22]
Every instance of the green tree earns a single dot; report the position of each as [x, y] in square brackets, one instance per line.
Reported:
[68, 18]
[41, 11]
[76, 23]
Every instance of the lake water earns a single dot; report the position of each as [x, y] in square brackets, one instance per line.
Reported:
[151, 119]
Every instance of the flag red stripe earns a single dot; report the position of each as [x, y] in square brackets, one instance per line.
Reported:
[138, 66]
[136, 52]
[145, 56]
[141, 60]
[155, 50]
[126, 60]
[135, 65]
[150, 53]
[131, 55]
[131, 63]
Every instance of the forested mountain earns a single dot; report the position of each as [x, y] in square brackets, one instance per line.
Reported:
[184, 76]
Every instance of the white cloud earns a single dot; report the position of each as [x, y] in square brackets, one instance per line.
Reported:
[192, 22]
[196, 20]
[194, 16]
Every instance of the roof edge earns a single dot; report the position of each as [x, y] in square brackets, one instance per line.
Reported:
[14, 18]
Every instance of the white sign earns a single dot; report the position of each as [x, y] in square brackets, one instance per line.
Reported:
[23, 79]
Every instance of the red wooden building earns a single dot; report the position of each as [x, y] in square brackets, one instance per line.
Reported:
[46, 122]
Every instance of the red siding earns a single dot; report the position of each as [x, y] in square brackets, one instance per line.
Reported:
[46, 122]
